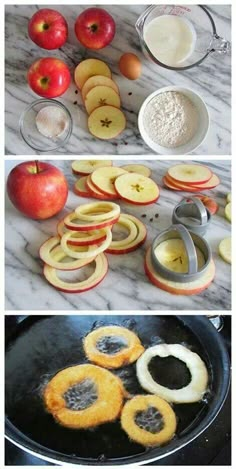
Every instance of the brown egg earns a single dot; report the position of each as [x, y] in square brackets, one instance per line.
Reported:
[130, 66]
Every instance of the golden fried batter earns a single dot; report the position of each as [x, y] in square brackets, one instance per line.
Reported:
[146, 437]
[106, 408]
[131, 351]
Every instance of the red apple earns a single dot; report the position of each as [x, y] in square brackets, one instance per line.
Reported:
[48, 29]
[95, 28]
[49, 77]
[37, 189]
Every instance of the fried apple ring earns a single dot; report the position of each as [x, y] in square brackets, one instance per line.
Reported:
[98, 344]
[148, 420]
[71, 407]
[193, 392]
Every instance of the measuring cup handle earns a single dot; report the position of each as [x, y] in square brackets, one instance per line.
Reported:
[220, 45]
[200, 207]
[189, 246]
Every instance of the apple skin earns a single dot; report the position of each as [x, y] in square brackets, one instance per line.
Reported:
[95, 28]
[48, 29]
[39, 190]
[49, 77]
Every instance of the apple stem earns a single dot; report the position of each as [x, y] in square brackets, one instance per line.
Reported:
[37, 166]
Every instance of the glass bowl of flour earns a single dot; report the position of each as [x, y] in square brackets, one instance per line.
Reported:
[173, 121]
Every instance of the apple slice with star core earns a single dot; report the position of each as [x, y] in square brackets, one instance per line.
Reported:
[101, 96]
[106, 122]
[137, 189]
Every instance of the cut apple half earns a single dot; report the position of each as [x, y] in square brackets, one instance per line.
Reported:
[52, 254]
[190, 173]
[137, 189]
[101, 96]
[88, 68]
[80, 187]
[98, 80]
[101, 268]
[228, 212]
[104, 179]
[91, 250]
[98, 211]
[177, 288]
[133, 245]
[85, 167]
[72, 222]
[209, 203]
[81, 238]
[106, 122]
[96, 193]
[225, 249]
[138, 168]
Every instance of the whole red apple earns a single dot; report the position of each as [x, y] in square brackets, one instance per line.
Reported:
[37, 189]
[48, 29]
[49, 77]
[95, 28]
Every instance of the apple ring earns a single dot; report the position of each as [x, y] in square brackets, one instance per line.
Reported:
[112, 346]
[133, 245]
[86, 211]
[52, 254]
[81, 238]
[92, 251]
[84, 396]
[133, 232]
[101, 267]
[193, 392]
[86, 226]
[148, 420]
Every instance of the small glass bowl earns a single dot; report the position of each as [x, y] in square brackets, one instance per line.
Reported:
[33, 137]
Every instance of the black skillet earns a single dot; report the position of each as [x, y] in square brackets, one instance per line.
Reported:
[38, 346]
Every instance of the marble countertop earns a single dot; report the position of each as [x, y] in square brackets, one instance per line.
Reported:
[212, 80]
[126, 286]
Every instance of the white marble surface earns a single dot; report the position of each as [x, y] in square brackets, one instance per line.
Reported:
[126, 286]
[212, 80]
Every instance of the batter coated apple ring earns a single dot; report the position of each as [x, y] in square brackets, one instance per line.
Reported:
[193, 392]
[104, 404]
[148, 420]
[112, 346]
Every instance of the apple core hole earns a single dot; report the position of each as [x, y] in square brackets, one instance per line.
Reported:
[169, 372]
[150, 420]
[111, 344]
[78, 275]
[81, 395]
[120, 233]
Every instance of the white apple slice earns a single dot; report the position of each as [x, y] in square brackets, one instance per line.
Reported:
[178, 288]
[91, 250]
[72, 223]
[106, 122]
[190, 173]
[98, 80]
[138, 168]
[98, 211]
[80, 187]
[101, 268]
[52, 254]
[228, 212]
[213, 182]
[137, 189]
[172, 186]
[85, 167]
[81, 238]
[101, 96]
[228, 198]
[225, 249]
[88, 68]
[96, 193]
[104, 179]
[133, 245]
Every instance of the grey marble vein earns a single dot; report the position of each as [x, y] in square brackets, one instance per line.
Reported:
[212, 80]
[126, 286]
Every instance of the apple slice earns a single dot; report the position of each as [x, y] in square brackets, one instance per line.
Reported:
[101, 96]
[104, 179]
[133, 245]
[52, 254]
[209, 203]
[72, 223]
[81, 238]
[178, 288]
[91, 250]
[98, 211]
[138, 168]
[96, 193]
[213, 182]
[85, 167]
[137, 189]
[228, 198]
[101, 268]
[88, 68]
[132, 232]
[106, 122]
[98, 80]
[228, 212]
[190, 173]
[81, 189]
[225, 249]
[171, 186]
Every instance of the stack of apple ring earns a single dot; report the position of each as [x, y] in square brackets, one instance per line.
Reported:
[83, 237]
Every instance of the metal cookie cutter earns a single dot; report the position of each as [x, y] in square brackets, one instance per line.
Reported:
[191, 241]
[193, 215]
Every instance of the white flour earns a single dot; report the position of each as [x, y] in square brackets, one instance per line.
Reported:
[170, 119]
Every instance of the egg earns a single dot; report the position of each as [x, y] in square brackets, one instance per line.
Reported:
[130, 66]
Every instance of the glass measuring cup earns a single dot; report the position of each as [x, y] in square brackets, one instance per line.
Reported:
[206, 38]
